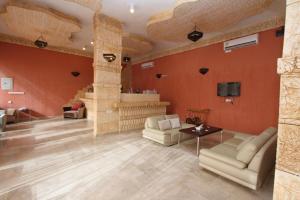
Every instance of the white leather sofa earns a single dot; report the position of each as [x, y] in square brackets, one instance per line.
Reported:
[244, 159]
[167, 137]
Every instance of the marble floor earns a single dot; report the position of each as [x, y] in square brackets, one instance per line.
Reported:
[59, 159]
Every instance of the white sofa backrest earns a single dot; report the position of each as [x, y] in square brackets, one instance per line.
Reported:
[152, 122]
[264, 160]
[172, 116]
[247, 152]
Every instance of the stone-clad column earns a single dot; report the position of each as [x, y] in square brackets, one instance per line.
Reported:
[287, 174]
[107, 75]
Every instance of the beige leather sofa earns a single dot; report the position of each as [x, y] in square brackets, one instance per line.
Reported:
[244, 159]
[167, 137]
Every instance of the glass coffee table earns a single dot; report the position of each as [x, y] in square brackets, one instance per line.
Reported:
[207, 130]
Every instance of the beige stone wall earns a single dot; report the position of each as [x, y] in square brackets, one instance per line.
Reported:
[287, 174]
[107, 75]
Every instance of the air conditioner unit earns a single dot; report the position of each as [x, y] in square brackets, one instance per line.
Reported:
[241, 42]
[147, 65]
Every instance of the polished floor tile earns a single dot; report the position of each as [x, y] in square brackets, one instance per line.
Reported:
[59, 159]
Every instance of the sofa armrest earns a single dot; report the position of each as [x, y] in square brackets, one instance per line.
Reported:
[81, 112]
[3, 121]
[223, 158]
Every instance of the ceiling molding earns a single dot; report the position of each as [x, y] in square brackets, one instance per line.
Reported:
[31, 21]
[135, 45]
[28, 43]
[270, 24]
[94, 5]
[209, 16]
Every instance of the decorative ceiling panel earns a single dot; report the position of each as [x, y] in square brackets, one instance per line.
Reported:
[207, 15]
[135, 45]
[29, 22]
[91, 4]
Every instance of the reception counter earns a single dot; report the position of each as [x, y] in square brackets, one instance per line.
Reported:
[135, 108]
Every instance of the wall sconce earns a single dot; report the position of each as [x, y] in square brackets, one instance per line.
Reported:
[203, 70]
[75, 74]
[109, 57]
[159, 76]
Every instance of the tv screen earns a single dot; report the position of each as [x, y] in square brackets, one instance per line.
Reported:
[229, 89]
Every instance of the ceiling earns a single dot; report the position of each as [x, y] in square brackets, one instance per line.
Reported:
[135, 23]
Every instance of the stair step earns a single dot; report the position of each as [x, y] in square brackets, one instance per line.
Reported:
[89, 95]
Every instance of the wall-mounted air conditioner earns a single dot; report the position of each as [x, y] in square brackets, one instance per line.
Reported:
[241, 42]
[147, 65]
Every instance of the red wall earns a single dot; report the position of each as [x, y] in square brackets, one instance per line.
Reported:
[184, 87]
[44, 76]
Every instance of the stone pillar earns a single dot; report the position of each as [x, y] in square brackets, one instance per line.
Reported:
[127, 77]
[107, 75]
[287, 173]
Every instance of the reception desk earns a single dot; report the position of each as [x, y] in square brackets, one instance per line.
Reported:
[135, 108]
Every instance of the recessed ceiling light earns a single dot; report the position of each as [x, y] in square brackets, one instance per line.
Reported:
[92, 43]
[83, 48]
[131, 9]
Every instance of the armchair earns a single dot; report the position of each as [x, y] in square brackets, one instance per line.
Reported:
[74, 111]
[3, 121]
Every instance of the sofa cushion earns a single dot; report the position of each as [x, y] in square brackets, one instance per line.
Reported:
[164, 125]
[76, 106]
[172, 116]
[230, 160]
[234, 142]
[248, 151]
[152, 122]
[244, 143]
[175, 123]
[10, 111]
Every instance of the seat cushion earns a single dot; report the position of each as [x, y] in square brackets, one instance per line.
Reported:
[248, 151]
[226, 150]
[152, 122]
[234, 142]
[224, 153]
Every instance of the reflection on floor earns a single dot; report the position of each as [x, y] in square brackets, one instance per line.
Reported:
[59, 159]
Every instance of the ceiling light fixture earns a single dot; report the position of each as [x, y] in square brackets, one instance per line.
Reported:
[195, 35]
[41, 42]
[132, 10]
[92, 43]
[83, 48]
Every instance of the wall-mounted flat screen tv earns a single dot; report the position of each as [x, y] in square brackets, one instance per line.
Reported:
[229, 89]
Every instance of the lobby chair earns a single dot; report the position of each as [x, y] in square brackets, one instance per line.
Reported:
[3, 121]
[75, 111]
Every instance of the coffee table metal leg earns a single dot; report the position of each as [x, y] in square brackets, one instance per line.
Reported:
[221, 136]
[179, 138]
[198, 145]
